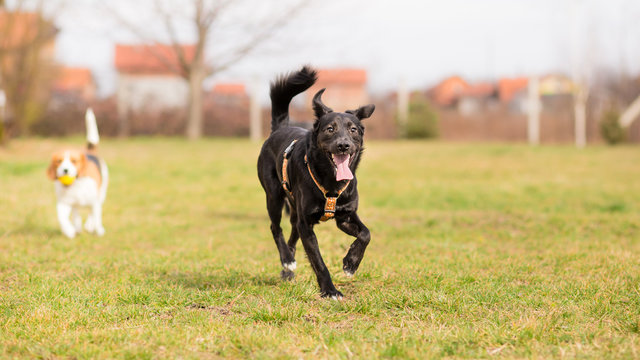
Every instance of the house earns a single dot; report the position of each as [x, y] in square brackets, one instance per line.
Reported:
[477, 97]
[230, 93]
[512, 93]
[346, 88]
[75, 83]
[226, 110]
[556, 85]
[149, 78]
[508, 88]
[448, 91]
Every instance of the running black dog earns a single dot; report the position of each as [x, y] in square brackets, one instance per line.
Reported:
[314, 171]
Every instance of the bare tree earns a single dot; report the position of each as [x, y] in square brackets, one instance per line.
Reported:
[26, 62]
[206, 19]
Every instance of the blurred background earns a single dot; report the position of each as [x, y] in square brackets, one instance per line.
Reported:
[537, 71]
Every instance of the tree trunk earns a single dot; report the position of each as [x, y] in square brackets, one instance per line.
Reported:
[195, 116]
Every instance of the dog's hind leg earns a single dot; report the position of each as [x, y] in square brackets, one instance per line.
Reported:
[274, 207]
[352, 225]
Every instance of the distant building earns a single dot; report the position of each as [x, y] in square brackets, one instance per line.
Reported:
[346, 88]
[230, 93]
[512, 92]
[556, 85]
[74, 83]
[148, 78]
[477, 97]
[448, 91]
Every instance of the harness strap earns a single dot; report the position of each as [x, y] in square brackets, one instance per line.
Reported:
[285, 160]
[330, 203]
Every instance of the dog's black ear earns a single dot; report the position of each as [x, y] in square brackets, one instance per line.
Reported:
[363, 112]
[319, 108]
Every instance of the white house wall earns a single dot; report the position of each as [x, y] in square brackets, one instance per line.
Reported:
[150, 93]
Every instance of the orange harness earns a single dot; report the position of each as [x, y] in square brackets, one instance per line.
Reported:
[285, 161]
[330, 203]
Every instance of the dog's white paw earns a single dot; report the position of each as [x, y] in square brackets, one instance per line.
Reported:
[69, 231]
[290, 266]
[89, 225]
[348, 273]
[77, 224]
[100, 231]
[336, 297]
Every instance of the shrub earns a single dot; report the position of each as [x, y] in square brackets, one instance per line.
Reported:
[610, 129]
[422, 122]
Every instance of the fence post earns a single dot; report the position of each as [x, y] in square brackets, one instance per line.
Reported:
[533, 120]
[255, 120]
[403, 108]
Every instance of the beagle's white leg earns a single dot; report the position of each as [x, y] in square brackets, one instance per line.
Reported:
[77, 219]
[90, 224]
[97, 218]
[64, 211]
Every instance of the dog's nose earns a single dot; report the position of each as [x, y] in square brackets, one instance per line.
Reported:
[343, 147]
[65, 171]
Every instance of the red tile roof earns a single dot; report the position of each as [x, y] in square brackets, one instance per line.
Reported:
[73, 79]
[449, 90]
[480, 90]
[342, 76]
[508, 88]
[235, 89]
[150, 59]
[20, 28]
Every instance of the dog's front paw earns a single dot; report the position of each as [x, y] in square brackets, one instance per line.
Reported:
[100, 231]
[349, 267]
[77, 224]
[287, 275]
[90, 225]
[69, 231]
[332, 294]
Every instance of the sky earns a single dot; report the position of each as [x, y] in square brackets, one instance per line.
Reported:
[413, 42]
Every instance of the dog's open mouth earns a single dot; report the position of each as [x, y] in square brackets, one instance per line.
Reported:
[341, 162]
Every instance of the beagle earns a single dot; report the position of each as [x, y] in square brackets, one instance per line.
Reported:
[80, 181]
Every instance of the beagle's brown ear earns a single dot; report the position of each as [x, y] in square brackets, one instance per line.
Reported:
[51, 170]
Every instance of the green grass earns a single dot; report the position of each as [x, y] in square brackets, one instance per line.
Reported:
[477, 251]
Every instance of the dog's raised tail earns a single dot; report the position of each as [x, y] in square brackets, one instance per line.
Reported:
[93, 138]
[284, 88]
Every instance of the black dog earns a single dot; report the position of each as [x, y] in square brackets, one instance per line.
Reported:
[313, 170]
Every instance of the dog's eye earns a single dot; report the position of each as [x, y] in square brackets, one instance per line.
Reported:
[354, 129]
[329, 129]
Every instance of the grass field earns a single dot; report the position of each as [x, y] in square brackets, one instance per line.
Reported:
[477, 251]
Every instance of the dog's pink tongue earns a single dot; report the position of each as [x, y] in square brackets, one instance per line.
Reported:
[342, 167]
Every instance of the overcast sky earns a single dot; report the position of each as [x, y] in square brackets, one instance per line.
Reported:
[419, 42]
